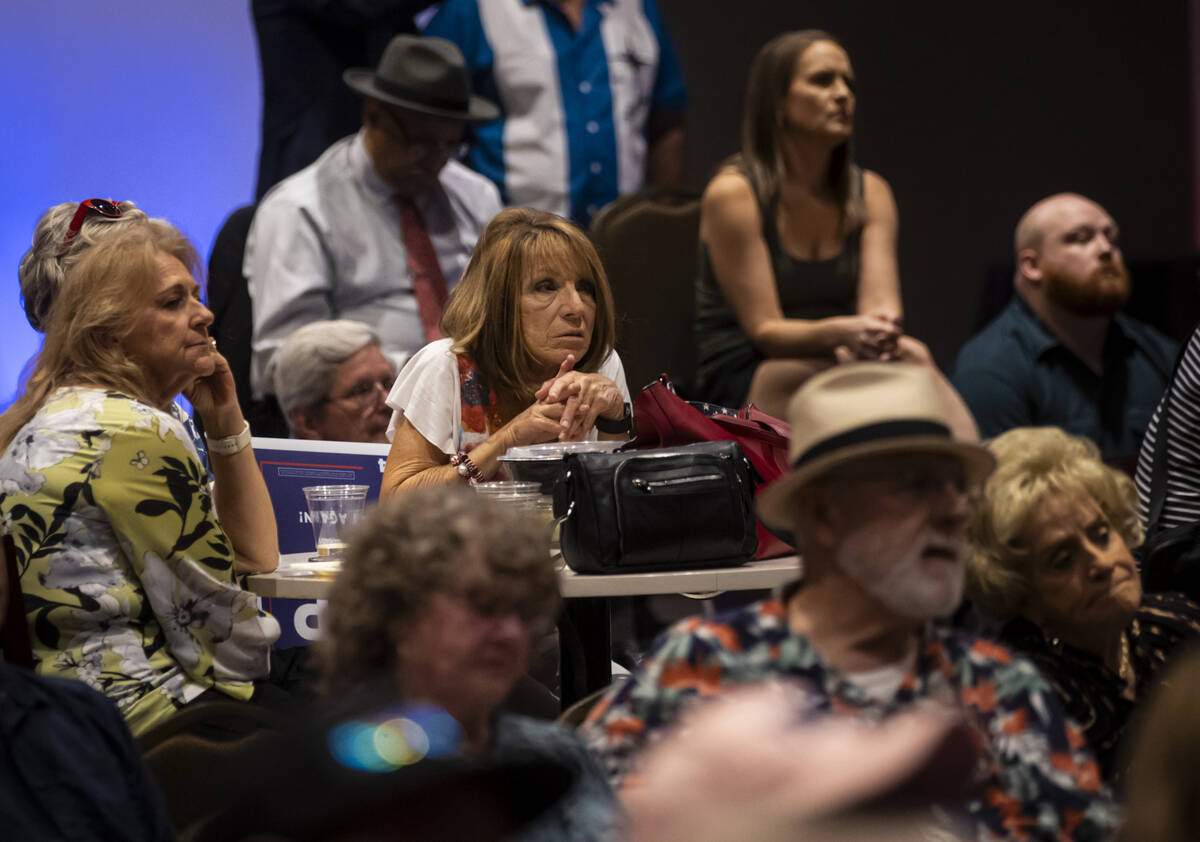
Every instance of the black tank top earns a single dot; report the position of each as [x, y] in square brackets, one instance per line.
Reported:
[808, 289]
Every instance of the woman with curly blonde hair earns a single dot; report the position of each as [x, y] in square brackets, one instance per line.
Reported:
[1050, 558]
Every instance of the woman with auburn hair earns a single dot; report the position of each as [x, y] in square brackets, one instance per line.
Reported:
[1049, 557]
[798, 244]
[527, 357]
[127, 572]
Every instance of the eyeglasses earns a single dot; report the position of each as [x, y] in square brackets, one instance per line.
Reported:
[104, 207]
[422, 146]
[363, 393]
[490, 605]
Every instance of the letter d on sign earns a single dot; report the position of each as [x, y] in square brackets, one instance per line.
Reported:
[307, 619]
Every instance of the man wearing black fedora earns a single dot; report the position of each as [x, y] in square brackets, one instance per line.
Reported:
[380, 227]
[877, 500]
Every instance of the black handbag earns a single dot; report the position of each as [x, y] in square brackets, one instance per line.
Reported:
[675, 508]
[1169, 558]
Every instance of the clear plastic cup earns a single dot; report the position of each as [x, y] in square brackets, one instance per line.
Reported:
[522, 494]
[526, 496]
[333, 508]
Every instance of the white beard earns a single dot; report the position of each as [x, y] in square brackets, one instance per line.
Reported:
[908, 586]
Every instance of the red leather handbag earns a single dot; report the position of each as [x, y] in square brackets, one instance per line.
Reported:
[663, 419]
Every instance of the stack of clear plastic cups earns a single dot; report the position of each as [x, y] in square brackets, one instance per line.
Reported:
[526, 496]
[523, 495]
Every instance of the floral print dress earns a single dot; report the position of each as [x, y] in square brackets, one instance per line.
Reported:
[126, 572]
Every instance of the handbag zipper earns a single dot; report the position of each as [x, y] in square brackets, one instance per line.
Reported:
[616, 487]
[650, 485]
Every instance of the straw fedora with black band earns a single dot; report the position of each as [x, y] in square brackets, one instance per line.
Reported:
[857, 410]
[428, 75]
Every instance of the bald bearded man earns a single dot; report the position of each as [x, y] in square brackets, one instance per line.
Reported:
[1061, 353]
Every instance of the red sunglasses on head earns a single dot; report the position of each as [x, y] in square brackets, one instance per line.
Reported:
[104, 207]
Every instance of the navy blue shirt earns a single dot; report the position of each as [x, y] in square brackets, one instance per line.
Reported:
[1016, 373]
[69, 768]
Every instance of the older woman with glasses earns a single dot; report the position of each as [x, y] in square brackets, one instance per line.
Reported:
[528, 357]
[126, 568]
[440, 598]
[332, 382]
[1050, 558]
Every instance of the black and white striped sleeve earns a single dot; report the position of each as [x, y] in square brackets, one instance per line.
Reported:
[1183, 444]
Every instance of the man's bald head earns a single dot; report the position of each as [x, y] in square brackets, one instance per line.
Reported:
[1068, 258]
[1031, 228]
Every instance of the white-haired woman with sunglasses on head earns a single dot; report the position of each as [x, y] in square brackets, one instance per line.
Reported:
[126, 570]
[62, 235]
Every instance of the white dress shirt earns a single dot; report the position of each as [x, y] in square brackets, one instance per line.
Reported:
[326, 243]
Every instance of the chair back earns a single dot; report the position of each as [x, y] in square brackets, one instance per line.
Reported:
[575, 715]
[14, 631]
[648, 243]
[192, 765]
[229, 300]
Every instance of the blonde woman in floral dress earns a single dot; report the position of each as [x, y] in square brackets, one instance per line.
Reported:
[126, 569]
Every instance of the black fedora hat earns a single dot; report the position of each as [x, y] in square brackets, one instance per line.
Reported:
[423, 74]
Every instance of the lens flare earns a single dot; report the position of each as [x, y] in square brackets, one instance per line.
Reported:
[394, 739]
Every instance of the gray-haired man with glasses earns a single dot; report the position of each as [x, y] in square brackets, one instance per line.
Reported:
[332, 381]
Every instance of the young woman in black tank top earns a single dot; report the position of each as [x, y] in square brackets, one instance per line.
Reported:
[798, 245]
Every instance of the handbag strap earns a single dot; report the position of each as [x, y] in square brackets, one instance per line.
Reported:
[1158, 465]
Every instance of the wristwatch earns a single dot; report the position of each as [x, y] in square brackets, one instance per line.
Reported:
[616, 426]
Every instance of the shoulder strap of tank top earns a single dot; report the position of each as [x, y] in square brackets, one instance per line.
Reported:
[767, 210]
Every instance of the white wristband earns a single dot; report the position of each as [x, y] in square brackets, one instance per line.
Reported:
[230, 444]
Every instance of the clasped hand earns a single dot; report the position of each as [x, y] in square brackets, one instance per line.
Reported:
[566, 406]
[873, 336]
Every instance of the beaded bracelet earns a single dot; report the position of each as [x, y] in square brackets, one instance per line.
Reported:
[230, 444]
[466, 468]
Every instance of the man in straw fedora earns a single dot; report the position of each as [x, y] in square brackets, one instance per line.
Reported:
[379, 228]
[877, 499]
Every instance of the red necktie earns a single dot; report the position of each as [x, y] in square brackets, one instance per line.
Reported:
[429, 284]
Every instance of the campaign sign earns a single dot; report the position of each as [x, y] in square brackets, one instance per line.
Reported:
[288, 466]
[299, 619]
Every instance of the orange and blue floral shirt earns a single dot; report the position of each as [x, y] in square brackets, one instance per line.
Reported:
[1037, 780]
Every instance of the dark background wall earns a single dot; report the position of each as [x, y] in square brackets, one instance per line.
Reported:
[973, 111]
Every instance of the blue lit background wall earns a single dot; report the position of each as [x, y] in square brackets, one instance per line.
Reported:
[151, 100]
